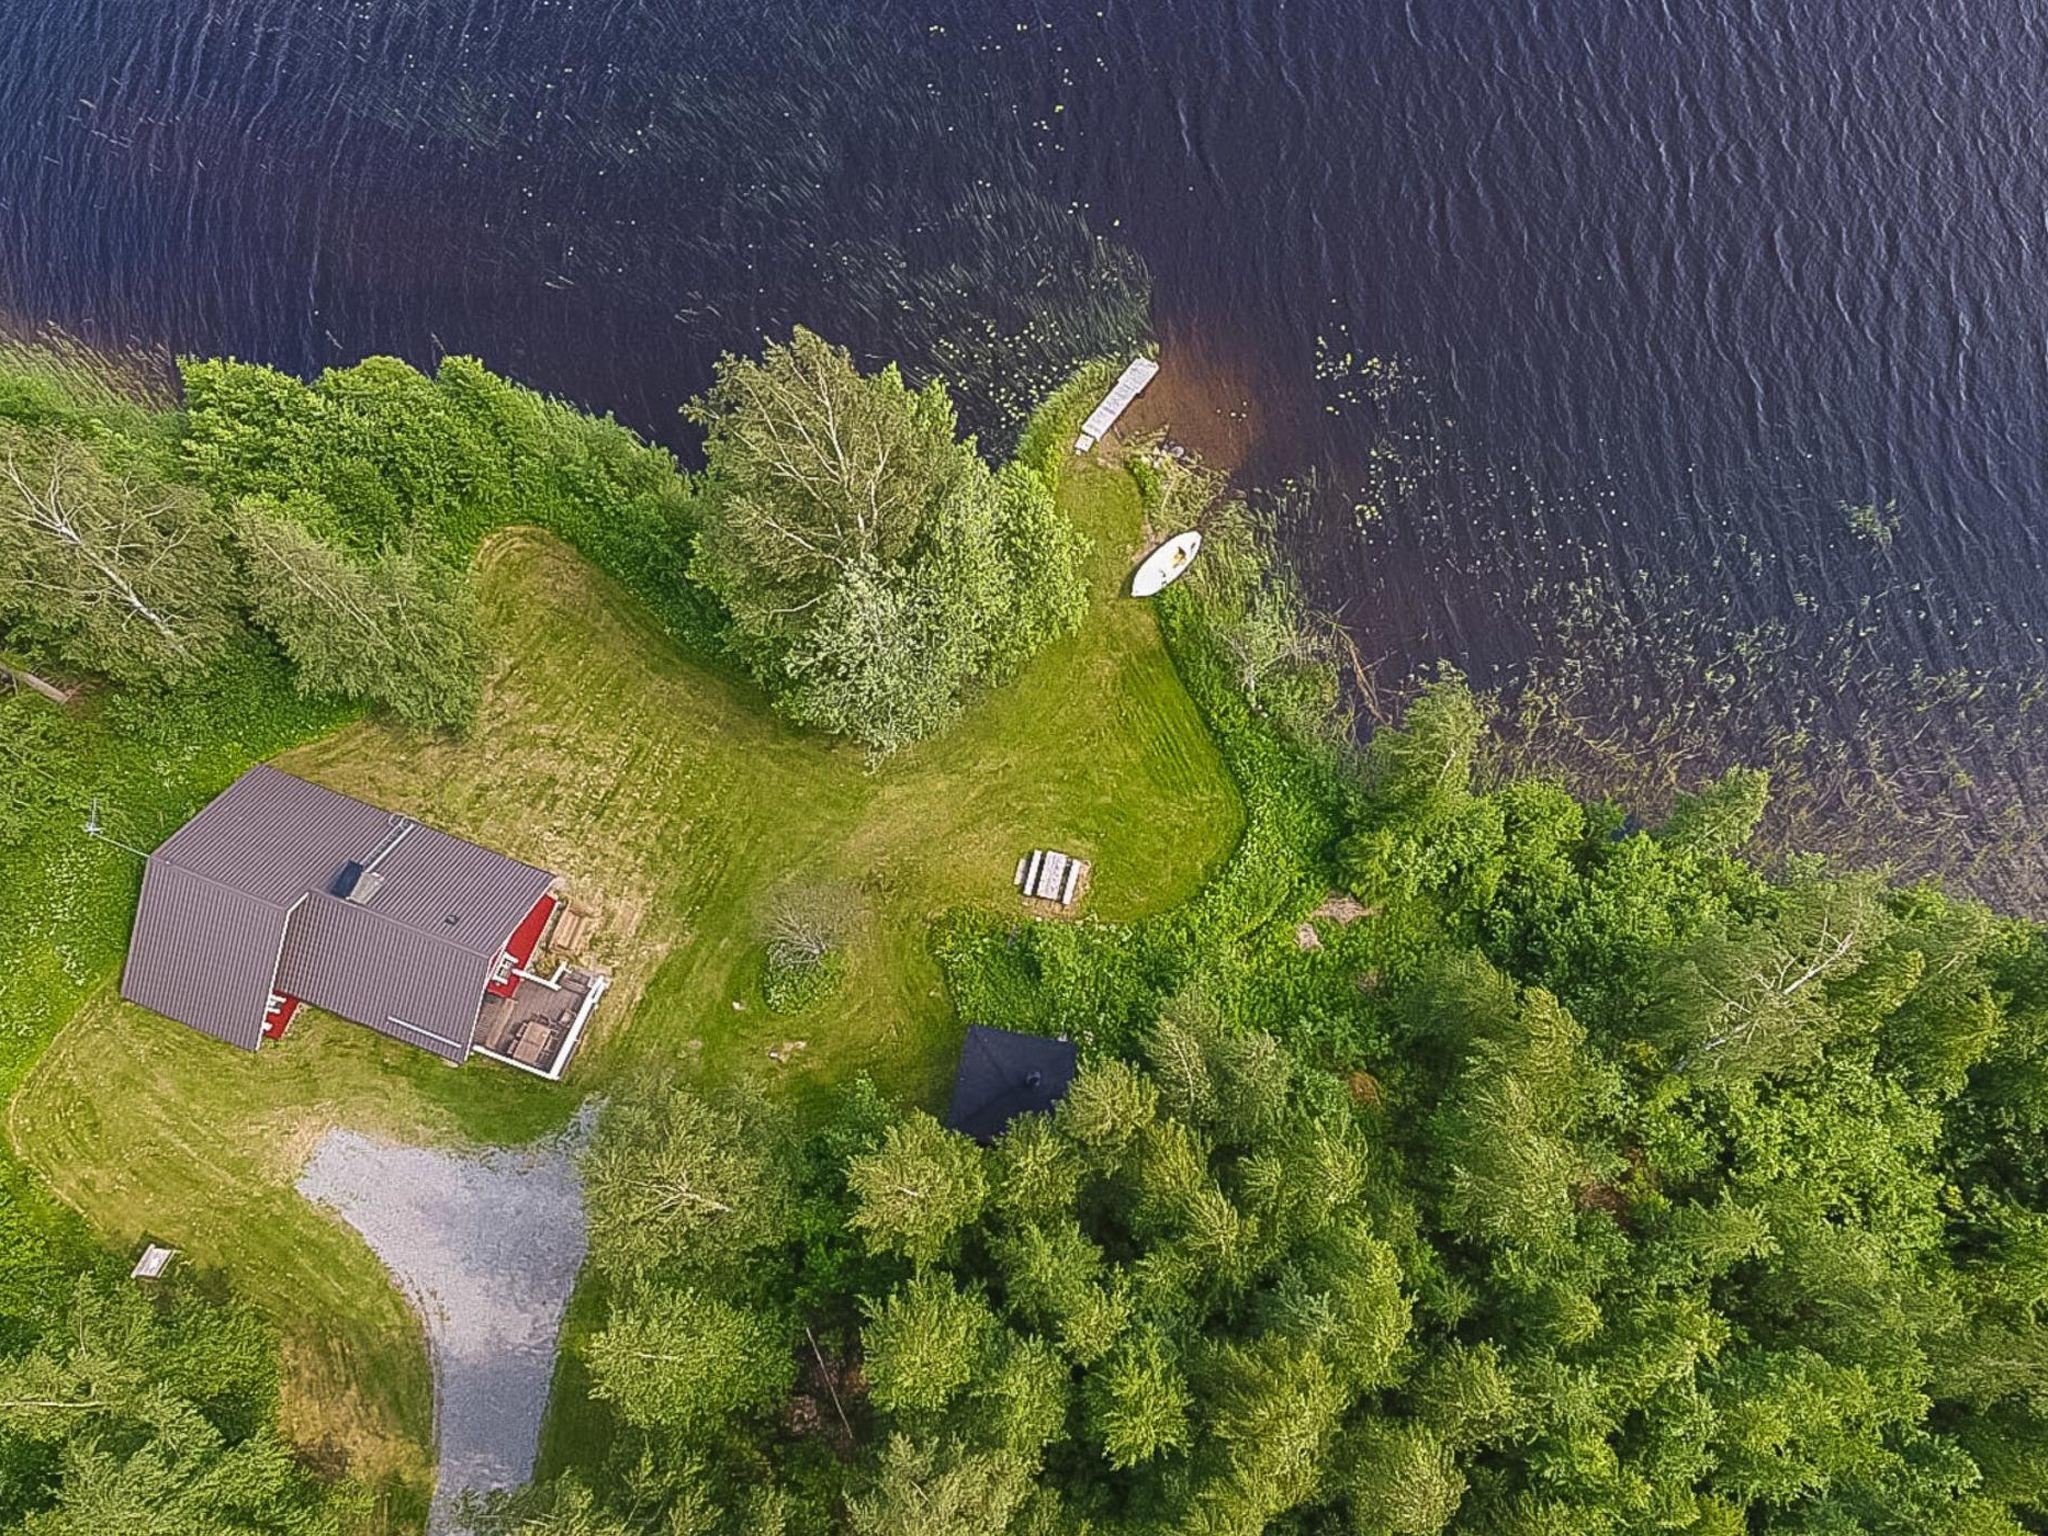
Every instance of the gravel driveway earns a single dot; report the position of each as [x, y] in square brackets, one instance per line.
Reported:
[487, 1246]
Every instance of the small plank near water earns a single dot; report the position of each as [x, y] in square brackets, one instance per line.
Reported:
[1115, 403]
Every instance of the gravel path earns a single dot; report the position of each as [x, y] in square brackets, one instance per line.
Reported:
[487, 1246]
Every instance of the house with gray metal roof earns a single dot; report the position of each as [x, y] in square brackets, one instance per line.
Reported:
[281, 892]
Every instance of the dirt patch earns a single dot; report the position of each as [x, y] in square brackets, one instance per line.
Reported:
[1336, 907]
[1344, 909]
[486, 1246]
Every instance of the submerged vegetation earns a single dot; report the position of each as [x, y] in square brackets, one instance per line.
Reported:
[1460, 1157]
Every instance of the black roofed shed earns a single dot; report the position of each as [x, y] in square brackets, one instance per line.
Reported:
[1004, 1074]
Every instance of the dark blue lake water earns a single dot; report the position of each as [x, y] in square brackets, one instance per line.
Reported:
[1680, 369]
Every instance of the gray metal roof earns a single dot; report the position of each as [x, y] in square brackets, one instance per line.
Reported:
[202, 954]
[241, 894]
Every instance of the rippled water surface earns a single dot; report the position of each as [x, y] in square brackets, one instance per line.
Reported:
[1680, 368]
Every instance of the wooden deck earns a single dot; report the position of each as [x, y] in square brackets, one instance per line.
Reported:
[537, 1030]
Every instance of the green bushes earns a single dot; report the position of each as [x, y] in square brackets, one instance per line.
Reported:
[795, 982]
[384, 480]
[870, 605]
[1555, 1176]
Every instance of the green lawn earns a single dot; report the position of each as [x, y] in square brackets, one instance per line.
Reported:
[679, 806]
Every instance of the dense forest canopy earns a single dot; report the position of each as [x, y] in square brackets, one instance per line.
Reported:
[1463, 1158]
[1589, 1181]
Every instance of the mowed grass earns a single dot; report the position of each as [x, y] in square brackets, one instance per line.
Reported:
[683, 810]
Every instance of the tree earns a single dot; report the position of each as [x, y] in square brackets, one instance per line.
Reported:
[1231, 1084]
[1463, 1393]
[805, 936]
[1032, 564]
[690, 1362]
[1107, 1105]
[1422, 770]
[1721, 817]
[1403, 1481]
[1744, 1004]
[1507, 1159]
[1053, 1277]
[1950, 1018]
[564, 1507]
[107, 565]
[1036, 1171]
[395, 630]
[875, 571]
[878, 660]
[674, 1182]
[813, 472]
[1138, 1401]
[1278, 1406]
[916, 1191]
[938, 1488]
[1022, 1399]
[160, 1417]
[1272, 640]
[388, 457]
[924, 1343]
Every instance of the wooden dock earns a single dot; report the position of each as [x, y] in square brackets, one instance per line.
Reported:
[1115, 403]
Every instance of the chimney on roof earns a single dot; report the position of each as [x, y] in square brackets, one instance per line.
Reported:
[357, 882]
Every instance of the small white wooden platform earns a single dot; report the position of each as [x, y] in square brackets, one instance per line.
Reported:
[1115, 403]
[153, 1263]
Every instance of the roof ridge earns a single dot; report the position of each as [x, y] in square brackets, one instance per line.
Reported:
[219, 884]
[404, 927]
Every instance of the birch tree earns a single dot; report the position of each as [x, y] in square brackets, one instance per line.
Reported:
[110, 568]
[688, 1361]
[1754, 1001]
[814, 471]
[875, 570]
[674, 1182]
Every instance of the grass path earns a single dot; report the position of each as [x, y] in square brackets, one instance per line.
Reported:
[672, 799]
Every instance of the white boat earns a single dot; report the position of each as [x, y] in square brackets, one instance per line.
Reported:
[1121, 394]
[1168, 563]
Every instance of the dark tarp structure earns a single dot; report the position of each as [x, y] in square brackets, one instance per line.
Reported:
[245, 900]
[1004, 1074]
